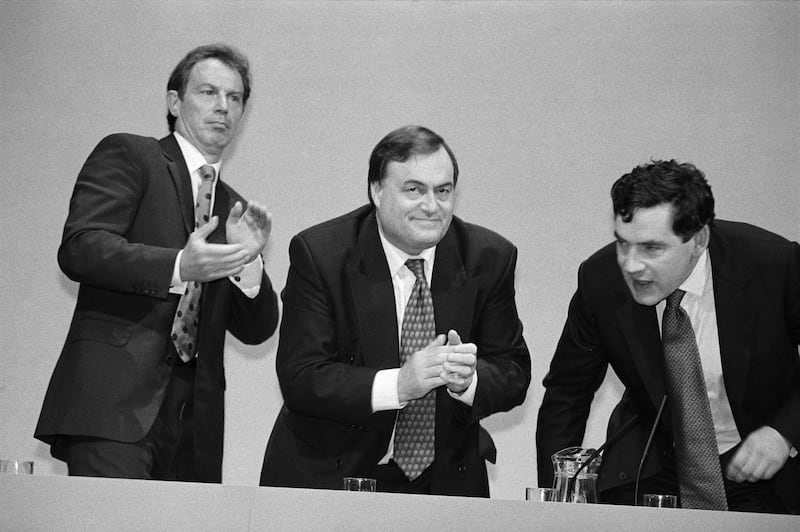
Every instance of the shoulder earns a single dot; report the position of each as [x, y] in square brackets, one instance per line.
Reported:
[746, 236]
[342, 229]
[127, 146]
[130, 141]
[750, 246]
[476, 238]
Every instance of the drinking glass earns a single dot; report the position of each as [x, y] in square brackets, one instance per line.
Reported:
[660, 501]
[359, 484]
[540, 494]
[16, 467]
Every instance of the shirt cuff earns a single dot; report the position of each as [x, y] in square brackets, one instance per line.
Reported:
[384, 391]
[467, 396]
[249, 279]
[177, 286]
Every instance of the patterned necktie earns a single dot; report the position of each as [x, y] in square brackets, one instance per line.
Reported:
[187, 318]
[414, 433]
[696, 451]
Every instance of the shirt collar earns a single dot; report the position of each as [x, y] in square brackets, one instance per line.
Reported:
[696, 282]
[397, 258]
[192, 156]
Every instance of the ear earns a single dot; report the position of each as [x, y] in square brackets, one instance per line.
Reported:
[173, 103]
[700, 240]
[375, 188]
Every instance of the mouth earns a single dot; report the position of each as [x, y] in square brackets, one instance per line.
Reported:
[640, 284]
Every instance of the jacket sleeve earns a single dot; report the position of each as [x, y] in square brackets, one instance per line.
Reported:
[317, 377]
[504, 363]
[96, 248]
[576, 372]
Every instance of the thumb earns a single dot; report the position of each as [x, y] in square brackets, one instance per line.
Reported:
[236, 212]
[453, 338]
[204, 230]
[438, 341]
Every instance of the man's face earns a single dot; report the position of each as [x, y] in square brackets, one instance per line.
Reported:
[414, 201]
[653, 259]
[211, 107]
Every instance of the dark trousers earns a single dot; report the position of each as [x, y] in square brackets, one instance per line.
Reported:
[165, 453]
[742, 497]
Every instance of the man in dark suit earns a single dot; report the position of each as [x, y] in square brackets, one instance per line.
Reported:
[740, 288]
[346, 327]
[138, 392]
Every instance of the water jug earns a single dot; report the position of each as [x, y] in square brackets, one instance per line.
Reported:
[575, 475]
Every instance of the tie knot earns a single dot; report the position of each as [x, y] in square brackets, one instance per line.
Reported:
[417, 267]
[674, 299]
[207, 172]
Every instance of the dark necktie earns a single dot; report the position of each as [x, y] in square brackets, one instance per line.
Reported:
[414, 433]
[187, 318]
[696, 453]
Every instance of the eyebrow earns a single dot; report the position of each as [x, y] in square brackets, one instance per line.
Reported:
[421, 184]
[645, 243]
[217, 88]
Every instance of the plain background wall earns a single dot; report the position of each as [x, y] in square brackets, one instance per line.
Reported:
[545, 105]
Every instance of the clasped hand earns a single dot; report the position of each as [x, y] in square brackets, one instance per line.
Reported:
[762, 454]
[444, 361]
[247, 233]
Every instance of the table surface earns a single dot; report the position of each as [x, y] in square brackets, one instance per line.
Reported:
[36, 502]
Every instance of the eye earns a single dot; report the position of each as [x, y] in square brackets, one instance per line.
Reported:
[236, 98]
[443, 193]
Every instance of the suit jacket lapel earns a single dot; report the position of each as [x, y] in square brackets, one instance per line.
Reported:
[180, 177]
[640, 328]
[453, 296]
[736, 318]
[222, 207]
[373, 299]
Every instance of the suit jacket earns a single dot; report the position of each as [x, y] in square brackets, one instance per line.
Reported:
[130, 213]
[340, 327]
[757, 297]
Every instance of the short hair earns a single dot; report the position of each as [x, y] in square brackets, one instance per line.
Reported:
[681, 185]
[228, 55]
[399, 146]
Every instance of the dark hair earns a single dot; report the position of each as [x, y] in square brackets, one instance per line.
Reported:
[399, 146]
[681, 185]
[228, 55]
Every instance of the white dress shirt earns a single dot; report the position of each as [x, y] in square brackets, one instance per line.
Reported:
[699, 305]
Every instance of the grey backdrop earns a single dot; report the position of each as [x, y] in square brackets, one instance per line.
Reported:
[544, 103]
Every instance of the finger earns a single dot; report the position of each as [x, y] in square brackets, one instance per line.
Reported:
[465, 365]
[453, 338]
[225, 252]
[256, 209]
[206, 229]
[467, 359]
[458, 369]
[436, 342]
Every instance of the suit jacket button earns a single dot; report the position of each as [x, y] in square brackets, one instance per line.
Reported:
[462, 468]
[623, 475]
[169, 359]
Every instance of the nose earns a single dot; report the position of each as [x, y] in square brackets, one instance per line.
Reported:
[222, 102]
[429, 204]
[629, 261]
